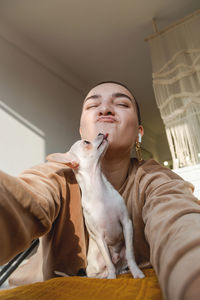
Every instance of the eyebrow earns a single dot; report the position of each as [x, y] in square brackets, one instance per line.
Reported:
[115, 95]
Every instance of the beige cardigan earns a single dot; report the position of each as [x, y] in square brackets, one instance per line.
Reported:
[45, 201]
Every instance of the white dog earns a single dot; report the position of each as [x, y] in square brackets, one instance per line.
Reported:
[110, 229]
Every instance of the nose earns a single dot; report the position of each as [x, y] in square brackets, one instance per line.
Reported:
[106, 109]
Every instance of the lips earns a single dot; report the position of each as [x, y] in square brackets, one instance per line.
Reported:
[108, 119]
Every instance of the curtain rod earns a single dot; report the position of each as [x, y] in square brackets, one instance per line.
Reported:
[157, 33]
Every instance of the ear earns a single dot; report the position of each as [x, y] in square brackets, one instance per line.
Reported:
[67, 158]
[140, 133]
[141, 130]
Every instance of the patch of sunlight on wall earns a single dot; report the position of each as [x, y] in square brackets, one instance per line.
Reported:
[22, 145]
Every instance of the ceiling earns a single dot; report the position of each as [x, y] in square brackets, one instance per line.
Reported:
[100, 40]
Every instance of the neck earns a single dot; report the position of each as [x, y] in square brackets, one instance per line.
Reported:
[116, 170]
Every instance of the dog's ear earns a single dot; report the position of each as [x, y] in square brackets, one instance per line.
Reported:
[67, 158]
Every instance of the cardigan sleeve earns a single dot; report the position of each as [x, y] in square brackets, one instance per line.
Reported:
[171, 215]
[28, 206]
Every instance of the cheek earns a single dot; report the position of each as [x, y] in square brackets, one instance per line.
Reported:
[86, 127]
[130, 130]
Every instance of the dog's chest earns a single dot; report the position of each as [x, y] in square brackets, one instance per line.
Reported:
[102, 216]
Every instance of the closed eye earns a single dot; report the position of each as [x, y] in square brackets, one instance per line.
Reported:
[123, 104]
[91, 106]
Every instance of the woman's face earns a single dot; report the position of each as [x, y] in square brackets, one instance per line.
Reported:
[110, 108]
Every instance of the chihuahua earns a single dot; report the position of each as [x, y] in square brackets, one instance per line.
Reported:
[110, 249]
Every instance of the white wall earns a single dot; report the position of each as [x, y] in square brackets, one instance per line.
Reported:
[39, 109]
[18, 138]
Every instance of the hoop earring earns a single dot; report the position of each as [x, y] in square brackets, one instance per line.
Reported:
[138, 151]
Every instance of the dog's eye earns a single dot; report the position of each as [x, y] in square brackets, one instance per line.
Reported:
[86, 142]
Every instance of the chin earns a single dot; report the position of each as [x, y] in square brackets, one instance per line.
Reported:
[116, 149]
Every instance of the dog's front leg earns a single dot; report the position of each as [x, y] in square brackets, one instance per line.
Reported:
[103, 248]
[128, 236]
[95, 261]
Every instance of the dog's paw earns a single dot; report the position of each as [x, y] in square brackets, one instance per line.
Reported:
[111, 275]
[138, 274]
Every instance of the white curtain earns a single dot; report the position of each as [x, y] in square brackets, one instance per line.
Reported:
[175, 56]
